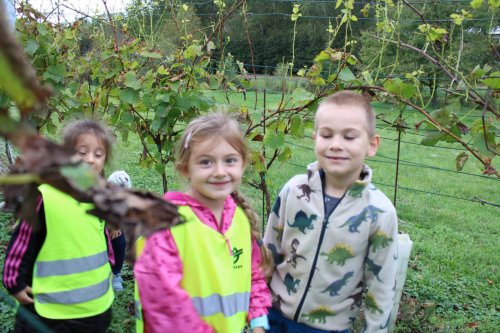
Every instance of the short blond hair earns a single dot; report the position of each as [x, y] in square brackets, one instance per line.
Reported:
[349, 98]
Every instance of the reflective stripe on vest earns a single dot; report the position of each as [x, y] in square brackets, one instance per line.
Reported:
[217, 277]
[227, 305]
[71, 266]
[71, 275]
[223, 306]
[77, 295]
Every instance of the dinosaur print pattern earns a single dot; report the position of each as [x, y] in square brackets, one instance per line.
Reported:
[354, 222]
[323, 276]
[303, 222]
[306, 192]
[293, 259]
[277, 206]
[339, 254]
[276, 302]
[279, 232]
[380, 240]
[335, 286]
[386, 325]
[357, 298]
[356, 190]
[320, 313]
[374, 268]
[277, 257]
[291, 283]
[371, 304]
[373, 212]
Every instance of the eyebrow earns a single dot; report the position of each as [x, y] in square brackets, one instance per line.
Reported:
[343, 130]
[225, 156]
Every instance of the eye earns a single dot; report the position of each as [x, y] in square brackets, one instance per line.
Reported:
[326, 135]
[232, 160]
[205, 162]
[351, 136]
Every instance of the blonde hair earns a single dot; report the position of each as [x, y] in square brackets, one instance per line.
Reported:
[349, 98]
[222, 126]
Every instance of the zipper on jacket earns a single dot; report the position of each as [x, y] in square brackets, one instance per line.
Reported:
[313, 267]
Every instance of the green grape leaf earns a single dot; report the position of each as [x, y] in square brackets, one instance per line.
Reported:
[81, 175]
[274, 140]
[131, 81]
[285, 154]
[129, 96]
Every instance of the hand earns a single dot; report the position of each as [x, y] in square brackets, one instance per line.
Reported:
[120, 178]
[114, 233]
[24, 296]
[259, 330]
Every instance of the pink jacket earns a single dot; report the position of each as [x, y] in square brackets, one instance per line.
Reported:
[158, 272]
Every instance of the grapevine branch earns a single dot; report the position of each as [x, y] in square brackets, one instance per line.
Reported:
[488, 168]
[44, 162]
[436, 62]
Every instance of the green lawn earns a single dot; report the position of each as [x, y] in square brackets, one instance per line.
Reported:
[453, 277]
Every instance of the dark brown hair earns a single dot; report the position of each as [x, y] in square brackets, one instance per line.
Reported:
[78, 127]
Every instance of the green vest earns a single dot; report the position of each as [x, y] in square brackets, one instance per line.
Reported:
[72, 275]
[217, 278]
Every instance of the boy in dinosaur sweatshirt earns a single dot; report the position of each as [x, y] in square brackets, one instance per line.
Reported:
[333, 234]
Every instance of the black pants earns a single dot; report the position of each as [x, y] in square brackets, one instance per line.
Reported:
[119, 244]
[94, 324]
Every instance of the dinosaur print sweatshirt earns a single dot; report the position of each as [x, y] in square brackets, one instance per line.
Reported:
[327, 265]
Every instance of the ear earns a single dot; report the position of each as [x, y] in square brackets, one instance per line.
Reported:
[185, 173]
[314, 136]
[374, 144]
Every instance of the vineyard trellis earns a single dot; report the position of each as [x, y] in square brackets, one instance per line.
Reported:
[101, 67]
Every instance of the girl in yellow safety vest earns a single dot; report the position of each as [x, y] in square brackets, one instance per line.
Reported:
[59, 270]
[207, 274]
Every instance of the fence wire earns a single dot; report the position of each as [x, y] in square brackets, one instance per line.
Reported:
[381, 158]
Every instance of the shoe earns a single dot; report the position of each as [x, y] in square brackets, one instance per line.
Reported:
[117, 282]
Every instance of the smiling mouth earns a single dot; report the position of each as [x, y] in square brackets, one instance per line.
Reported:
[335, 158]
[220, 183]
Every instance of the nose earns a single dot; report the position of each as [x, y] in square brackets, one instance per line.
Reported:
[336, 143]
[89, 159]
[220, 170]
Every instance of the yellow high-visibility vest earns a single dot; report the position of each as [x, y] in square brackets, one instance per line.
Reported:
[72, 274]
[217, 278]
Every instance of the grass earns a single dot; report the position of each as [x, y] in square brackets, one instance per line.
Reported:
[453, 276]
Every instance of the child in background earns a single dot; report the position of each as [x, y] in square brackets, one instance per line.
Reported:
[207, 275]
[118, 241]
[332, 233]
[59, 270]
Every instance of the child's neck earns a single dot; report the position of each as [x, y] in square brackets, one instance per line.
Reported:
[337, 187]
[216, 210]
[215, 207]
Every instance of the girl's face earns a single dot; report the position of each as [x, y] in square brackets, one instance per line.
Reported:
[215, 169]
[91, 150]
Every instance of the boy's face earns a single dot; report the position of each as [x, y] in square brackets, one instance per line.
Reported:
[342, 141]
